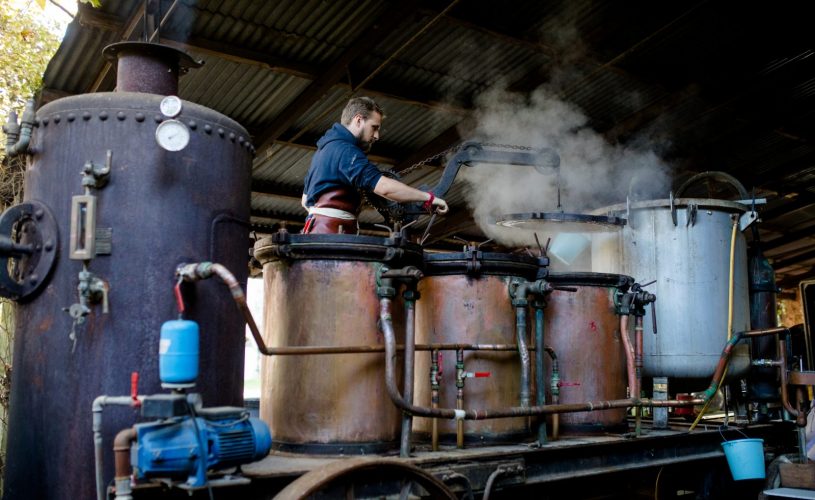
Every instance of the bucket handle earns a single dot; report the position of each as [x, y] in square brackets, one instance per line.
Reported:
[733, 428]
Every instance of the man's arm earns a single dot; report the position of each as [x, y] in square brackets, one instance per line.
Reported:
[401, 193]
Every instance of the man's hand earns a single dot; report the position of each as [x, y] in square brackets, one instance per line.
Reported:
[440, 206]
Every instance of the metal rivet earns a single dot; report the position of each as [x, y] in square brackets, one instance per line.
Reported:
[49, 245]
[45, 121]
[86, 115]
[193, 124]
[103, 115]
[71, 117]
[121, 115]
[232, 136]
[57, 118]
[221, 132]
[208, 129]
[157, 118]
[37, 122]
[139, 117]
[240, 139]
[38, 214]
[33, 279]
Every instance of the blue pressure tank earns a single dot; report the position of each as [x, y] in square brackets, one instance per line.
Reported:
[178, 353]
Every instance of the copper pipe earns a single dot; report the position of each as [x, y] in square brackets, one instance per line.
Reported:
[629, 357]
[434, 397]
[461, 414]
[800, 417]
[638, 371]
[121, 456]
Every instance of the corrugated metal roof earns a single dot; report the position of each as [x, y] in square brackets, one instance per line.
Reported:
[717, 87]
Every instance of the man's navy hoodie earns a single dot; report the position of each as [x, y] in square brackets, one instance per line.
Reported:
[339, 163]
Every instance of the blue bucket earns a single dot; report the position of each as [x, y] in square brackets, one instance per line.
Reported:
[745, 458]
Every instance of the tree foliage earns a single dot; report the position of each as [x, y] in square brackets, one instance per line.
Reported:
[27, 43]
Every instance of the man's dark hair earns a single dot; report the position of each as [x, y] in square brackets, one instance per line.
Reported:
[363, 106]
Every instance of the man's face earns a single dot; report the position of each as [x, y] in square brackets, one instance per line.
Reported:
[367, 130]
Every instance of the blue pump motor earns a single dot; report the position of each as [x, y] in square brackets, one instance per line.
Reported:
[225, 437]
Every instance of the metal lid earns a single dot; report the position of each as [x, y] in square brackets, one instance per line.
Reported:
[287, 246]
[475, 262]
[591, 279]
[562, 222]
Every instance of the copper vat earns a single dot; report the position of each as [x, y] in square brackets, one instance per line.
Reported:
[584, 330]
[321, 290]
[465, 300]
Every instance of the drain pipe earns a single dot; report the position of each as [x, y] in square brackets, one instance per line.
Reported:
[386, 327]
[98, 406]
[411, 296]
[540, 372]
[435, 380]
[555, 388]
[18, 137]
[121, 453]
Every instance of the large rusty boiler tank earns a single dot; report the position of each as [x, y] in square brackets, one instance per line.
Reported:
[583, 329]
[464, 299]
[685, 245]
[139, 211]
[321, 290]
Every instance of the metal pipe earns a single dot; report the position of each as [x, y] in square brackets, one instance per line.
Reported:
[800, 417]
[460, 397]
[491, 481]
[18, 137]
[435, 376]
[630, 363]
[638, 370]
[555, 388]
[520, 334]
[386, 326]
[410, 355]
[121, 456]
[96, 409]
[540, 392]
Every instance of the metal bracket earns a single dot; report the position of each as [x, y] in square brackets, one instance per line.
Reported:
[692, 211]
[747, 219]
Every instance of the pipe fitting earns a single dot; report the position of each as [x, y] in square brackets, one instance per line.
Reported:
[18, 137]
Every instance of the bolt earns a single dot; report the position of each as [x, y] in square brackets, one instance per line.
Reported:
[103, 115]
[49, 245]
[121, 115]
[139, 117]
[38, 214]
[33, 279]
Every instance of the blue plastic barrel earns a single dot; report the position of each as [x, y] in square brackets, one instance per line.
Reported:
[178, 353]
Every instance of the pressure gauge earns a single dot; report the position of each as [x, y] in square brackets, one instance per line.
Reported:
[172, 135]
[170, 106]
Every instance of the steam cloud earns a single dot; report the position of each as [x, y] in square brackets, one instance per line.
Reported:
[593, 173]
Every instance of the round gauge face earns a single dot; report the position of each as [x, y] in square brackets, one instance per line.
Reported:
[172, 135]
[170, 106]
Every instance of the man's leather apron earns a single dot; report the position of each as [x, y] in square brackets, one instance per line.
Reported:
[344, 199]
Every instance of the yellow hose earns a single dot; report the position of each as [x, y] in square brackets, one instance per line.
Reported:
[729, 315]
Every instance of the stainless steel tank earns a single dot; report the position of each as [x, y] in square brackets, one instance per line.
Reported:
[583, 328]
[465, 300]
[156, 210]
[321, 290]
[684, 244]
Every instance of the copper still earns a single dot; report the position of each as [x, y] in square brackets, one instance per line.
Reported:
[321, 290]
[582, 327]
[464, 299]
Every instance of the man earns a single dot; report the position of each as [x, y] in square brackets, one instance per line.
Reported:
[340, 168]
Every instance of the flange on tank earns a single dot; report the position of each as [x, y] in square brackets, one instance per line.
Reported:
[684, 244]
[321, 290]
